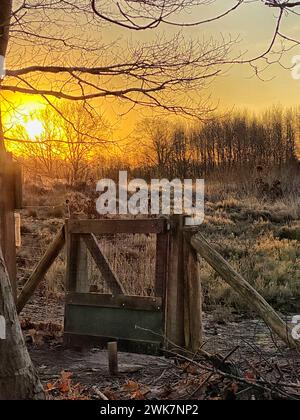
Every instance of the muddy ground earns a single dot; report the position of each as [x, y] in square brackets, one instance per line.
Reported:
[251, 363]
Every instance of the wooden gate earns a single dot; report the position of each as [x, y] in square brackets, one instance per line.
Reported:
[170, 317]
[136, 322]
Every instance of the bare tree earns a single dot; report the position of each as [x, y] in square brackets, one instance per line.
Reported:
[42, 153]
[5, 16]
[64, 60]
[85, 140]
[155, 74]
[70, 137]
[181, 152]
[155, 136]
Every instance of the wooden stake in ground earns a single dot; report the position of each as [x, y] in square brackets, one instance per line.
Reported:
[112, 349]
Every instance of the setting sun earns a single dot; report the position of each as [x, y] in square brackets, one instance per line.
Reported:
[34, 128]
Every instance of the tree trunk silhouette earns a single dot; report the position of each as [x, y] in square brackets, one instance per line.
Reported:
[5, 15]
[18, 378]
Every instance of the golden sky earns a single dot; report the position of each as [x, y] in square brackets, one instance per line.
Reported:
[238, 87]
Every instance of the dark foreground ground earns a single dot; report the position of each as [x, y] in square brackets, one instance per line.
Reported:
[247, 363]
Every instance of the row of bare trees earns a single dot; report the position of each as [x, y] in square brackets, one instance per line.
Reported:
[231, 142]
[161, 148]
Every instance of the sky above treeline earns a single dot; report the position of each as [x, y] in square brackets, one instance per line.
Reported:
[238, 87]
[255, 24]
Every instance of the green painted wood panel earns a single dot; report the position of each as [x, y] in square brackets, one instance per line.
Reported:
[117, 323]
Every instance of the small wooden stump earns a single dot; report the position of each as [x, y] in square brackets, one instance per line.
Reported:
[112, 349]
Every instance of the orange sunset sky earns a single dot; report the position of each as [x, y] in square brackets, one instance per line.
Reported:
[237, 88]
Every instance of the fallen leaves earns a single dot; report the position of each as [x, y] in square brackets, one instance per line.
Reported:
[41, 332]
[64, 388]
[136, 390]
[50, 386]
[36, 337]
[189, 368]
[250, 376]
[131, 386]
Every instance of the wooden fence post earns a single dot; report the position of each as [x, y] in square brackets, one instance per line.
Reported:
[77, 263]
[161, 265]
[10, 200]
[193, 327]
[175, 285]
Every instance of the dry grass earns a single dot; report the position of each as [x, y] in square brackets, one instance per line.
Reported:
[132, 258]
[256, 235]
[249, 234]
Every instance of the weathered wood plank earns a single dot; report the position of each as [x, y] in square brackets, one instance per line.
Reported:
[77, 262]
[193, 327]
[18, 187]
[82, 283]
[41, 269]
[143, 303]
[175, 285]
[251, 297]
[71, 269]
[112, 352]
[8, 203]
[105, 227]
[161, 268]
[116, 323]
[103, 264]
[124, 344]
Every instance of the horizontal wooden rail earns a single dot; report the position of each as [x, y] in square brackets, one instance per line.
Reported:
[253, 299]
[113, 226]
[41, 269]
[118, 301]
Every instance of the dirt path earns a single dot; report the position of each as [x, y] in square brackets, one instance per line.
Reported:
[257, 355]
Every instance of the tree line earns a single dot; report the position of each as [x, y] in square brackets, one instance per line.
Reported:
[161, 148]
[232, 142]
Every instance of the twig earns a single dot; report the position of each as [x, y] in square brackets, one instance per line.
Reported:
[212, 373]
[261, 385]
[100, 394]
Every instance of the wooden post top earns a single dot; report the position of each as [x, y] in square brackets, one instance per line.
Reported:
[10, 182]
